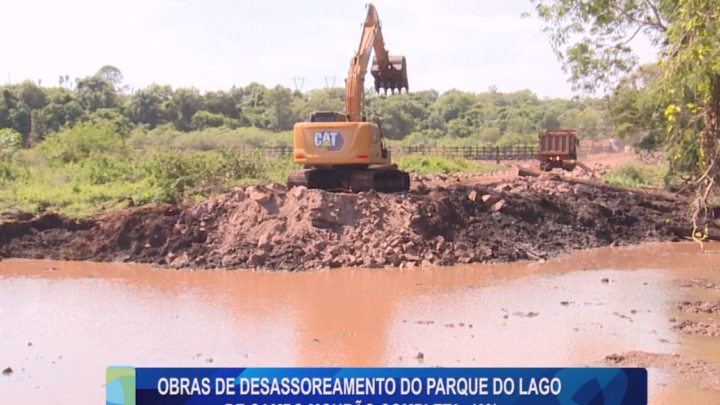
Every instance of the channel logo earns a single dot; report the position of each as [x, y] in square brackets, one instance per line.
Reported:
[120, 385]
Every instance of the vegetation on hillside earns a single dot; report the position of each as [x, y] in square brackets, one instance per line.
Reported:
[254, 115]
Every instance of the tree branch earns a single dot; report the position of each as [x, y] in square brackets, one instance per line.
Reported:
[657, 15]
[633, 35]
[657, 24]
[631, 18]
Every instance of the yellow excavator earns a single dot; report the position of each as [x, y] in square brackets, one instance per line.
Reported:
[343, 151]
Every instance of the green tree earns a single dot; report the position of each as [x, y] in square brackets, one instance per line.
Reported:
[187, 101]
[112, 75]
[220, 102]
[453, 103]
[636, 110]
[592, 40]
[145, 108]
[95, 92]
[279, 113]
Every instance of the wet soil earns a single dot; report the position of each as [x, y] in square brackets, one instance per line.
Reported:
[699, 328]
[698, 283]
[706, 374]
[700, 307]
[273, 228]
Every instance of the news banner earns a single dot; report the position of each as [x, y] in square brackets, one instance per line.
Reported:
[376, 386]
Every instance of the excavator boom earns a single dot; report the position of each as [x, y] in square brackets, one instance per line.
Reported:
[390, 72]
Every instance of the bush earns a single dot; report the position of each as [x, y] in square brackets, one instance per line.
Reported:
[89, 167]
[10, 143]
[636, 175]
[162, 135]
[208, 139]
[10, 139]
[82, 140]
[99, 169]
[176, 176]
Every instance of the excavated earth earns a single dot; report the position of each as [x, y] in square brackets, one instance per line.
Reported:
[707, 374]
[270, 227]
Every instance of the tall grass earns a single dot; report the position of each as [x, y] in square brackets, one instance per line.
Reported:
[637, 175]
[209, 139]
[436, 165]
[90, 168]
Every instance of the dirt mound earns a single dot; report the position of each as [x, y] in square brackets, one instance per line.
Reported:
[455, 177]
[140, 234]
[270, 227]
[706, 373]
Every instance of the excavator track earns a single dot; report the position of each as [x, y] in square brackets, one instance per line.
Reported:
[381, 178]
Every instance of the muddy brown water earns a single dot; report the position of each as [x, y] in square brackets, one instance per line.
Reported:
[63, 323]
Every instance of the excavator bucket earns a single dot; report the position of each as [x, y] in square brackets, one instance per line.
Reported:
[394, 77]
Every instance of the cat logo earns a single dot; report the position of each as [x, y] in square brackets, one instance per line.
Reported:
[330, 140]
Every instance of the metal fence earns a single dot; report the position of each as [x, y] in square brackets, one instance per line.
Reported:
[490, 153]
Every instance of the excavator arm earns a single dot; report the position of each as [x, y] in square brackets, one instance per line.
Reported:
[390, 72]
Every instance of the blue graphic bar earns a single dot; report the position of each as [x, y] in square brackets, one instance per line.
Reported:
[389, 386]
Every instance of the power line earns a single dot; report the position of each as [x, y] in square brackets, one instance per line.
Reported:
[327, 82]
[302, 83]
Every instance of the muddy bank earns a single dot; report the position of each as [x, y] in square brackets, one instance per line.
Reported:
[706, 374]
[271, 227]
[698, 283]
[700, 307]
[699, 328]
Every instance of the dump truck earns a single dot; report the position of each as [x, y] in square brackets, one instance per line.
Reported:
[344, 151]
[557, 148]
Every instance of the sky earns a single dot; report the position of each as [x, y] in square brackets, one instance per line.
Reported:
[214, 44]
